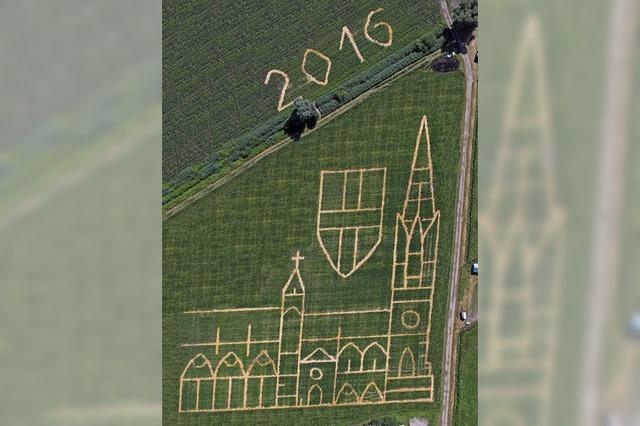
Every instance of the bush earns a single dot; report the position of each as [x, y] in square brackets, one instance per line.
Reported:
[304, 116]
[340, 95]
[384, 421]
[444, 64]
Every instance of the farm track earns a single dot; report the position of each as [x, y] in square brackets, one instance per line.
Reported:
[448, 371]
[276, 147]
[609, 201]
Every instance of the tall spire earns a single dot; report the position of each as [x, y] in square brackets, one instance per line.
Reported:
[294, 285]
[419, 199]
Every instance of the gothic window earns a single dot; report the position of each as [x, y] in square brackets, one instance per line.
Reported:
[407, 365]
[349, 359]
[315, 395]
[374, 357]
[196, 382]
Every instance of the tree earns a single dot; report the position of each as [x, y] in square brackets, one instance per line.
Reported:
[304, 116]
[467, 12]
[465, 19]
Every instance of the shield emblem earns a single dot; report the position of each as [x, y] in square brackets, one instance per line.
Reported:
[350, 212]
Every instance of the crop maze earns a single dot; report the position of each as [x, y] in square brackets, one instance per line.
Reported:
[297, 367]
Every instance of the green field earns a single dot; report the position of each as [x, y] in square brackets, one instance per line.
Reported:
[466, 413]
[232, 249]
[213, 87]
[471, 254]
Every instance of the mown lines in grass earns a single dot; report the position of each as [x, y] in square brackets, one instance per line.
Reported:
[233, 247]
[216, 56]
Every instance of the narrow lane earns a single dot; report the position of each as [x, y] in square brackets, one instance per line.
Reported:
[454, 278]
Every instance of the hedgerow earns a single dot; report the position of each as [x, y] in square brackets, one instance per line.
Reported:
[269, 132]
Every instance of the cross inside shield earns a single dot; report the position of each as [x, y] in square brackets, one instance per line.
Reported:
[350, 213]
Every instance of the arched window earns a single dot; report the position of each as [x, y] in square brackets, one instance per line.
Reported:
[261, 381]
[347, 394]
[315, 395]
[374, 357]
[196, 383]
[349, 359]
[229, 366]
[262, 365]
[371, 393]
[290, 324]
[407, 366]
[229, 383]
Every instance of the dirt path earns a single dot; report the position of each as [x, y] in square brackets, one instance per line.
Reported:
[276, 147]
[614, 142]
[448, 373]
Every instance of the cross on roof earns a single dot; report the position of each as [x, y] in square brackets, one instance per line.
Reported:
[297, 258]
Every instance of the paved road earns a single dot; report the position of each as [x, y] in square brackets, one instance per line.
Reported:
[465, 165]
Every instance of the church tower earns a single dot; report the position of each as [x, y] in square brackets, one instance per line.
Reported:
[409, 375]
[290, 339]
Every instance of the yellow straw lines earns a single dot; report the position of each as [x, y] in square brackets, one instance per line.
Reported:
[330, 314]
[292, 323]
[421, 179]
[350, 213]
[310, 76]
[387, 43]
[415, 258]
[281, 104]
[346, 32]
[333, 368]
[216, 311]
[199, 362]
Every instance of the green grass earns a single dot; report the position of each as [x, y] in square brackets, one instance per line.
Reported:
[233, 247]
[472, 226]
[471, 254]
[466, 413]
[213, 87]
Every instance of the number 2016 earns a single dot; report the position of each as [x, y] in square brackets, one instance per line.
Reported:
[324, 80]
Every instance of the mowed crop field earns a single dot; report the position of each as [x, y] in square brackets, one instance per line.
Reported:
[233, 248]
[216, 55]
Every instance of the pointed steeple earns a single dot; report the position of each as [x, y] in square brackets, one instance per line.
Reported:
[419, 197]
[294, 285]
[422, 150]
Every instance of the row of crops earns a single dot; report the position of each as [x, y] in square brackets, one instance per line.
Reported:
[216, 56]
[233, 247]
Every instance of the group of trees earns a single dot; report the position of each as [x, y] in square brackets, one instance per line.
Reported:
[465, 18]
[465, 21]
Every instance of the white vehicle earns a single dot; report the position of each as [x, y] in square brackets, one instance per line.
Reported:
[463, 315]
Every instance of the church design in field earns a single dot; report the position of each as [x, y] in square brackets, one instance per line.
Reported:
[296, 365]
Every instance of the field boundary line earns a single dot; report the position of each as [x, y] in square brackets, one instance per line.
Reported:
[460, 221]
[277, 146]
